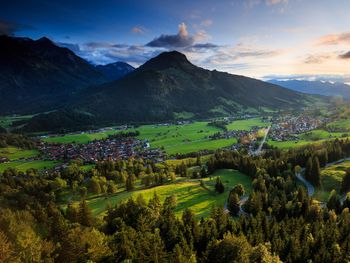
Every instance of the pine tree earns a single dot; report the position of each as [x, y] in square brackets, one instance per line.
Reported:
[130, 182]
[219, 187]
[334, 202]
[315, 172]
[308, 169]
[345, 185]
[233, 203]
[85, 214]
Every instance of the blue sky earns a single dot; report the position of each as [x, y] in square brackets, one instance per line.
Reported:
[258, 38]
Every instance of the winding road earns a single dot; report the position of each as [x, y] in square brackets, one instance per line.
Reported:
[257, 152]
[311, 189]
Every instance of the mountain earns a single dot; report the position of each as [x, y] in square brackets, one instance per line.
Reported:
[37, 75]
[316, 87]
[114, 71]
[169, 85]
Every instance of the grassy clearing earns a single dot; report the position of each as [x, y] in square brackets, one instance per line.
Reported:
[187, 161]
[331, 178]
[14, 153]
[312, 137]
[189, 193]
[183, 138]
[247, 124]
[340, 124]
[80, 138]
[25, 165]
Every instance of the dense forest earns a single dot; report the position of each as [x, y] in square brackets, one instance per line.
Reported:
[281, 222]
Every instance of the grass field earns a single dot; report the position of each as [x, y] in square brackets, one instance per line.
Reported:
[14, 153]
[331, 178]
[187, 161]
[189, 193]
[80, 138]
[340, 124]
[25, 165]
[174, 139]
[247, 124]
[315, 136]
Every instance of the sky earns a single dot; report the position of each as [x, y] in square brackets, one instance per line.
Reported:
[304, 39]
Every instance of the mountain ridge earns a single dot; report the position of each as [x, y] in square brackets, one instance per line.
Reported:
[170, 84]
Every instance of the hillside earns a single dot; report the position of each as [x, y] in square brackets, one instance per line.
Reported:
[168, 85]
[114, 71]
[37, 75]
[316, 87]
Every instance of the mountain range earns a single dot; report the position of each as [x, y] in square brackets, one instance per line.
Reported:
[114, 71]
[38, 75]
[164, 87]
[325, 88]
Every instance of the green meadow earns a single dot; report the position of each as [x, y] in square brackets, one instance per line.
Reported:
[80, 138]
[14, 153]
[331, 178]
[174, 139]
[189, 193]
[311, 137]
[25, 165]
[247, 124]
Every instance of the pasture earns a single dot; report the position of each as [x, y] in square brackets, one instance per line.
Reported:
[25, 165]
[15, 153]
[189, 193]
[331, 178]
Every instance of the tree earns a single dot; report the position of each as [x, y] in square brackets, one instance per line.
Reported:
[316, 172]
[203, 172]
[233, 203]
[7, 254]
[83, 191]
[85, 214]
[334, 202]
[95, 186]
[83, 245]
[308, 169]
[262, 254]
[229, 249]
[239, 190]
[130, 182]
[345, 185]
[72, 213]
[219, 186]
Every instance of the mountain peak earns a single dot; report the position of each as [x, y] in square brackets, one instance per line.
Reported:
[170, 59]
[44, 40]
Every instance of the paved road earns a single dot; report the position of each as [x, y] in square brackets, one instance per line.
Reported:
[257, 152]
[310, 188]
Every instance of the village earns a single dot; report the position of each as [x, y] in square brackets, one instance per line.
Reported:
[97, 150]
[287, 128]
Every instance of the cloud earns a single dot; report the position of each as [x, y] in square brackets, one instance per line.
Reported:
[276, 2]
[207, 22]
[345, 55]
[180, 40]
[10, 28]
[138, 30]
[334, 39]
[310, 77]
[316, 59]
